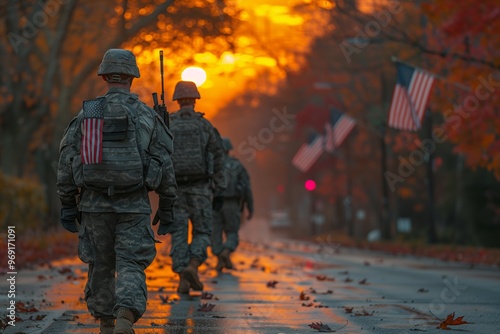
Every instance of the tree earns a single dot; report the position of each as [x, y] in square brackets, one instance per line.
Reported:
[51, 49]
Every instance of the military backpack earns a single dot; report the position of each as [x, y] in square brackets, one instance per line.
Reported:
[189, 157]
[113, 157]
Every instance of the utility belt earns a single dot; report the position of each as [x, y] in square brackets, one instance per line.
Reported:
[183, 180]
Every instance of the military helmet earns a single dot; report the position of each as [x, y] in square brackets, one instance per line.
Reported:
[119, 61]
[186, 90]
[226, 144]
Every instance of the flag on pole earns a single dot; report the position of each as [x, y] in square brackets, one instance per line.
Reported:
[308, 153]
[92, 126]
[409, 100]
[337, 129]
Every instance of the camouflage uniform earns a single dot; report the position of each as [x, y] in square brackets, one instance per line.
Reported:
[227, 221]
[198, 162]
[115, 236]
[195, 204]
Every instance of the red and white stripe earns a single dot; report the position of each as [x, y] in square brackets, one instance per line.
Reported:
[408, 106]
[91, 150]
[307, 154]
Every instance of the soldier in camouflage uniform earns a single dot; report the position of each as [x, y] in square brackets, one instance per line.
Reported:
[115, 235]
[198, 162]
[237, 195]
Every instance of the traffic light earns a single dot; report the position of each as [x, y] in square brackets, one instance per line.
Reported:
[310, 185]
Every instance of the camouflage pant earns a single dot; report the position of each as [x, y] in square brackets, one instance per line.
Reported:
[198, 209]
[116, 243]
[227, 221]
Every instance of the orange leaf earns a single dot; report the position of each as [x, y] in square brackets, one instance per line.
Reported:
[452, 321]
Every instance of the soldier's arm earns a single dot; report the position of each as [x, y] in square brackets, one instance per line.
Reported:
[215, 147]
[68, 149]
[161, 145]
[247, 189]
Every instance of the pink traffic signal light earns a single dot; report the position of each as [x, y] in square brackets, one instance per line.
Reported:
[310, 185]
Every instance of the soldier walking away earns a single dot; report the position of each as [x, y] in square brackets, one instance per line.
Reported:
[112, 153]
[198, 163]
[237, 196]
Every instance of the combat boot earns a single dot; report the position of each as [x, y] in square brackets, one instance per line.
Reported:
[191, 274]
[124, 321]
[183, 285]
[225, 257]
[220, 263]
[107, 326]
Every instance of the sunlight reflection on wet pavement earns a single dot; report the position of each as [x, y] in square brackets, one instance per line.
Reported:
[280, 286]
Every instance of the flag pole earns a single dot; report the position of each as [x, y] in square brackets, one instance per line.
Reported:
[440, 77]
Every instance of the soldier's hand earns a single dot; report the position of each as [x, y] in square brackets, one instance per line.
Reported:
[69, 215]
[217, 203]
[166, 220]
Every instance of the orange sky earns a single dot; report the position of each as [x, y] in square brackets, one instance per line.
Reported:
[270, 40]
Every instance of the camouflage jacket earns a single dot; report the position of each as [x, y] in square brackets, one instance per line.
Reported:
[153, 131]
[238, 181]
[212, 143]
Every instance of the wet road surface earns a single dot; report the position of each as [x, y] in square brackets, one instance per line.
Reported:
[280, 286]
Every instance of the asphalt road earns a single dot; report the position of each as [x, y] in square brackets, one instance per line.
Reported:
[280, 286]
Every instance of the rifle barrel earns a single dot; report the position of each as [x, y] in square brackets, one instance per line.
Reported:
[162, 84]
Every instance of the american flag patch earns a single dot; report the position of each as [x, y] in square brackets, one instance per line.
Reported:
[92, 126]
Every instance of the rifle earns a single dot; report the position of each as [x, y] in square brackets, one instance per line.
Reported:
[161, 109]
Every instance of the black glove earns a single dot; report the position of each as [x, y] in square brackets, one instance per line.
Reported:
[164, 215]
[217, 203]
[69, 215]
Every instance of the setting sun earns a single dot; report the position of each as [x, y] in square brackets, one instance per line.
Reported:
[195, 74]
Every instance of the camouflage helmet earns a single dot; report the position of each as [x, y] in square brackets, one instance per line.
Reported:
[226, 144]
[185, 89]
[119, 61]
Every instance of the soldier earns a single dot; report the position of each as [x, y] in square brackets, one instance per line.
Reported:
[237, 195]
[114, 152]
[198, 162]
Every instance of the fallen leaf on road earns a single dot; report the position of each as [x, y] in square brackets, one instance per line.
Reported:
[21, 307]
[422, 290]
[213, 316]
[321, 327]
[348, 280]
[154, 324]
[366, 263]
[38, 317]
[324, 278]
[206, 295]
[206, 307]
[452, 321]
[363, 281]
[348, 309]
[321, 306]
[65, 270]
[272, 284]
[308, 304]
[164, 300]
[363, 313]
[303, 296]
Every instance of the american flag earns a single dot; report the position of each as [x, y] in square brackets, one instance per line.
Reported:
[337, 129]
[92, 125]
[308, 153]
[409, 100]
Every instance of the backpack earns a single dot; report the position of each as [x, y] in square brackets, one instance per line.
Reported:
[189, 157]
[233, 170]
[111, 157]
